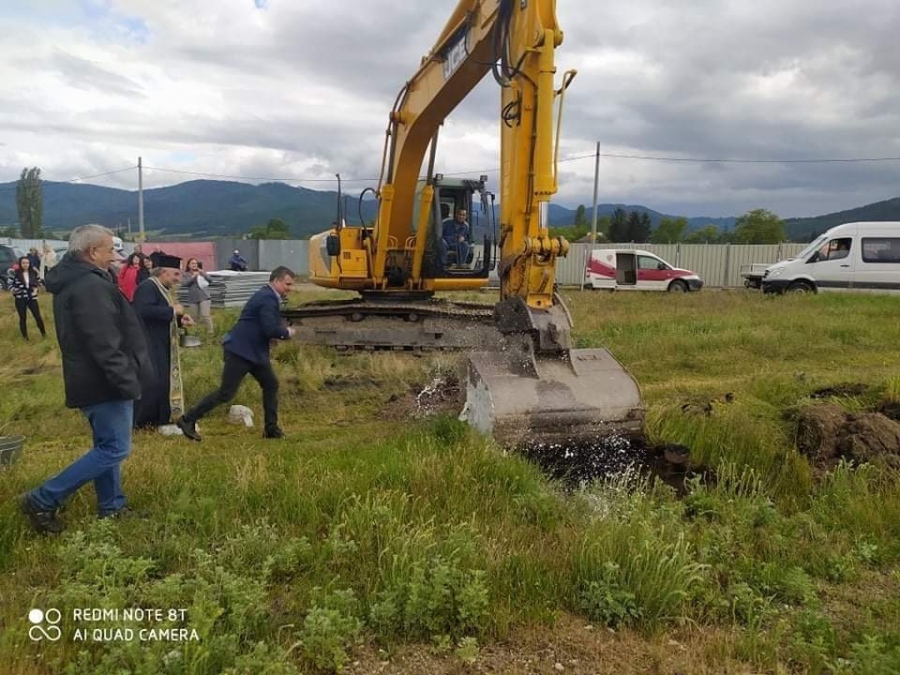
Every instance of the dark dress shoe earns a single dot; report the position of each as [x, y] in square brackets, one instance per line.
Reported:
[43, 521]
[274, 432]
[189, 429]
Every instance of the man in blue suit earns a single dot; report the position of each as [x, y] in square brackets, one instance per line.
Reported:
[247, 351]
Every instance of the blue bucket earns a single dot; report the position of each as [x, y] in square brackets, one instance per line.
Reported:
[10, 449]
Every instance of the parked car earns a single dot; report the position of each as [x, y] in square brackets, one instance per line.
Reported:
[636, 270]
[9, 256]
[849, 257]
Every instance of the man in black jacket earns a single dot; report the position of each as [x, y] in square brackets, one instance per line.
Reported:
[104, 359]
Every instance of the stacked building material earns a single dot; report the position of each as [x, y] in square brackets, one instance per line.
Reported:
[231, 289]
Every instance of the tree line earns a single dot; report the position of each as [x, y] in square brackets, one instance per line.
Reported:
[758, 226]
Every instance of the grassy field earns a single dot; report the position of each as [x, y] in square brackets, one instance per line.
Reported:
[378, 538]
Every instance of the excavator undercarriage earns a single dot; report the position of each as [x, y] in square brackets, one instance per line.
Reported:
[420, 325]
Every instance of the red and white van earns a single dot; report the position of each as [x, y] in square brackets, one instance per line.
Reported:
[631, 269]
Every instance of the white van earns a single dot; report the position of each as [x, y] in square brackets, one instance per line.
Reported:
[631, 269]
[849, 257]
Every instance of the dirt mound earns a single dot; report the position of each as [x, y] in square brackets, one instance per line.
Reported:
[827, 433]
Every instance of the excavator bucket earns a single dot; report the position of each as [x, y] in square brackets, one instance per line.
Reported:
[580, 396]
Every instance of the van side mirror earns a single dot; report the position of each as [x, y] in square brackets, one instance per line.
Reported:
[661, 266]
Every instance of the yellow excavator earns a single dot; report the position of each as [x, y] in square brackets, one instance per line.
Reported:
[525, 382]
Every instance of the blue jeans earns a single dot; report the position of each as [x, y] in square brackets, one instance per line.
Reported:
[460, 248]
[111, 425]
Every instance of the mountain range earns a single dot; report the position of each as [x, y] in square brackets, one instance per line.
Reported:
[210, 208]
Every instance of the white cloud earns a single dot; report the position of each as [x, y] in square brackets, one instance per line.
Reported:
[300, 89]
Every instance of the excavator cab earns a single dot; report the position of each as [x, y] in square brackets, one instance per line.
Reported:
[450, 196]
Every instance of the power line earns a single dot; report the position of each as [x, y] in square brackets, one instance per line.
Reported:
[98, 175]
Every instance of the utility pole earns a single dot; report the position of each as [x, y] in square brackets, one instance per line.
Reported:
[596, 180]
[587, 252]
[141, 236]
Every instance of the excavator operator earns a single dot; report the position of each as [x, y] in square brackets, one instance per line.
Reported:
[455, 235]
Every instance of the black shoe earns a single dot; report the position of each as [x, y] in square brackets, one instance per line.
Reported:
[45, 522]
[189, 429]
[274, 432]
[126, 512]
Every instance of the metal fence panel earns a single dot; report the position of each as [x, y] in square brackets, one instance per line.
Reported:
[249, 249]
[291, 253]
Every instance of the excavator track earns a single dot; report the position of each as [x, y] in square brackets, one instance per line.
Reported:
[397, 326]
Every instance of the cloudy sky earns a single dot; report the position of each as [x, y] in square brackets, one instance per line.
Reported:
[300, 89]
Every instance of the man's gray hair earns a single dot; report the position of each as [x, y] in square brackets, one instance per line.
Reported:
[86, 237]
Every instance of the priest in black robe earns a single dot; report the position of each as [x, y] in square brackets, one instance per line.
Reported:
[161, 315]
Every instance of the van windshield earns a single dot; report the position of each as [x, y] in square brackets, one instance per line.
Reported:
[814, 246]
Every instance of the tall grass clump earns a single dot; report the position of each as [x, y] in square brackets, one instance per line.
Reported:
[421, 579]
[633, 565]
[756, 555]
[736, 434]
[861, 504]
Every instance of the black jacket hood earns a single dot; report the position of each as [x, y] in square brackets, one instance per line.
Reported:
[69, 270]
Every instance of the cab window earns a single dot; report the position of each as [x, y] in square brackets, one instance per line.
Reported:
[834, 249]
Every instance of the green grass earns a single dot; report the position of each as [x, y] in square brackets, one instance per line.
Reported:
[372, 527]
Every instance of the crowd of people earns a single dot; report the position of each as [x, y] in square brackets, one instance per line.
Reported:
[118, 334]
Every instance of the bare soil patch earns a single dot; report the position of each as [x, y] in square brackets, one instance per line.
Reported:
[443, 394]
[571, 646]
[841, 390]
